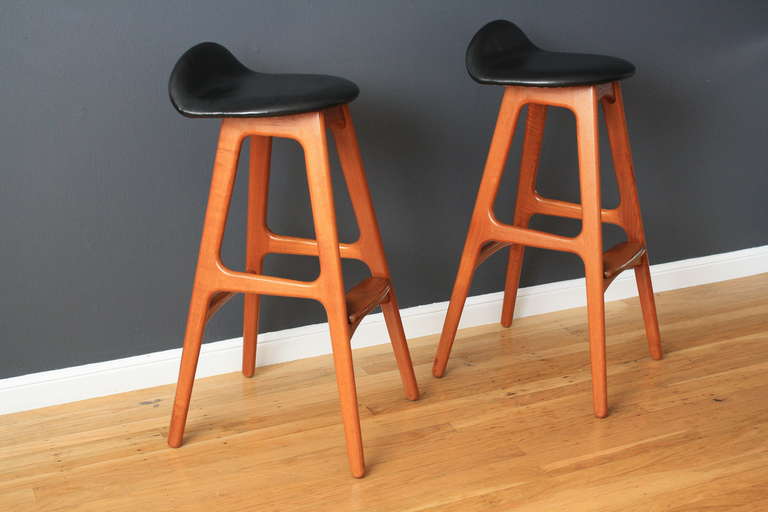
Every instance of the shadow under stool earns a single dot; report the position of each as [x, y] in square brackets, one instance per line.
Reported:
[501, 54]
[208, 81]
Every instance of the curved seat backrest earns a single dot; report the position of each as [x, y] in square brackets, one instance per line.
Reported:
[200, 66]
[497, 38]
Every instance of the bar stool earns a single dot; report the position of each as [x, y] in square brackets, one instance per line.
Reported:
[208, 81]
[501, 54]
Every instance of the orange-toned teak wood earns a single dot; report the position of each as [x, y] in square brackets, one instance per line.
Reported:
[487, 235]
[215, 284]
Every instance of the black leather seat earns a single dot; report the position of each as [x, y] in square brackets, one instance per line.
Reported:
[501, 54]
[208, 81]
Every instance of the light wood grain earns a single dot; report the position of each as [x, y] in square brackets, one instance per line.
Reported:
[510, 430]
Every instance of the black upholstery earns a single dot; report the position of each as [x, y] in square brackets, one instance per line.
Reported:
[501, 54]
[208, 81]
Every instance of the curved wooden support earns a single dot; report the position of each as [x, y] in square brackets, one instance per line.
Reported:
[533, 237]
[557, 208]
[283, 244]
[364, 297]
[621, 257]
[217, 302]
[489, 249]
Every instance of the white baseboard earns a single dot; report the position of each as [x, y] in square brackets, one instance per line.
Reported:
[99, 379]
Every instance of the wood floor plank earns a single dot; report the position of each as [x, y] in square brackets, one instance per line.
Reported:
[509, 427]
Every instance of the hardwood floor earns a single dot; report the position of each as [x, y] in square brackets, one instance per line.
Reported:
[510, 427]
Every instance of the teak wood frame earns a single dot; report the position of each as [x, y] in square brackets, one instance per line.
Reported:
[487, 235]
[215, 284]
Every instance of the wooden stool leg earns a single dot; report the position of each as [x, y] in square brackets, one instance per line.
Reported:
[476, 235]
[332, 287]
[648, 305]
[258, 188]
[345, 381]
[526, 187]
[193, 338]
[632, 220]
[391, 312]
[592, 243]
[456, 304]
[223, 180]
[370, 243]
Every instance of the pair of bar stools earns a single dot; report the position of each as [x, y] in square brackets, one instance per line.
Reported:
[209, 82]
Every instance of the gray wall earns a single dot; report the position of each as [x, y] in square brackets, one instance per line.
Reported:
[103, 184]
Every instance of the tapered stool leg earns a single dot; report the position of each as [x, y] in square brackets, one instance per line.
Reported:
[222, 182]
[256, 240]
[632, 221]
[340, 121]
[193, 338]
[456, 304]
[526, 189]
[477, 235]
[592, 243]
[648, 305]
[323, 212]
[345, 381]
[391, 312]
[512, 281]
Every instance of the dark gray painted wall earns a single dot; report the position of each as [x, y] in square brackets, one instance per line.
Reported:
[103, 184]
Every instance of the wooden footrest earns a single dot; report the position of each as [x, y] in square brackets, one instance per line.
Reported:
[217, 302]
[621, 257]
[488, 250]
[365, 296]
